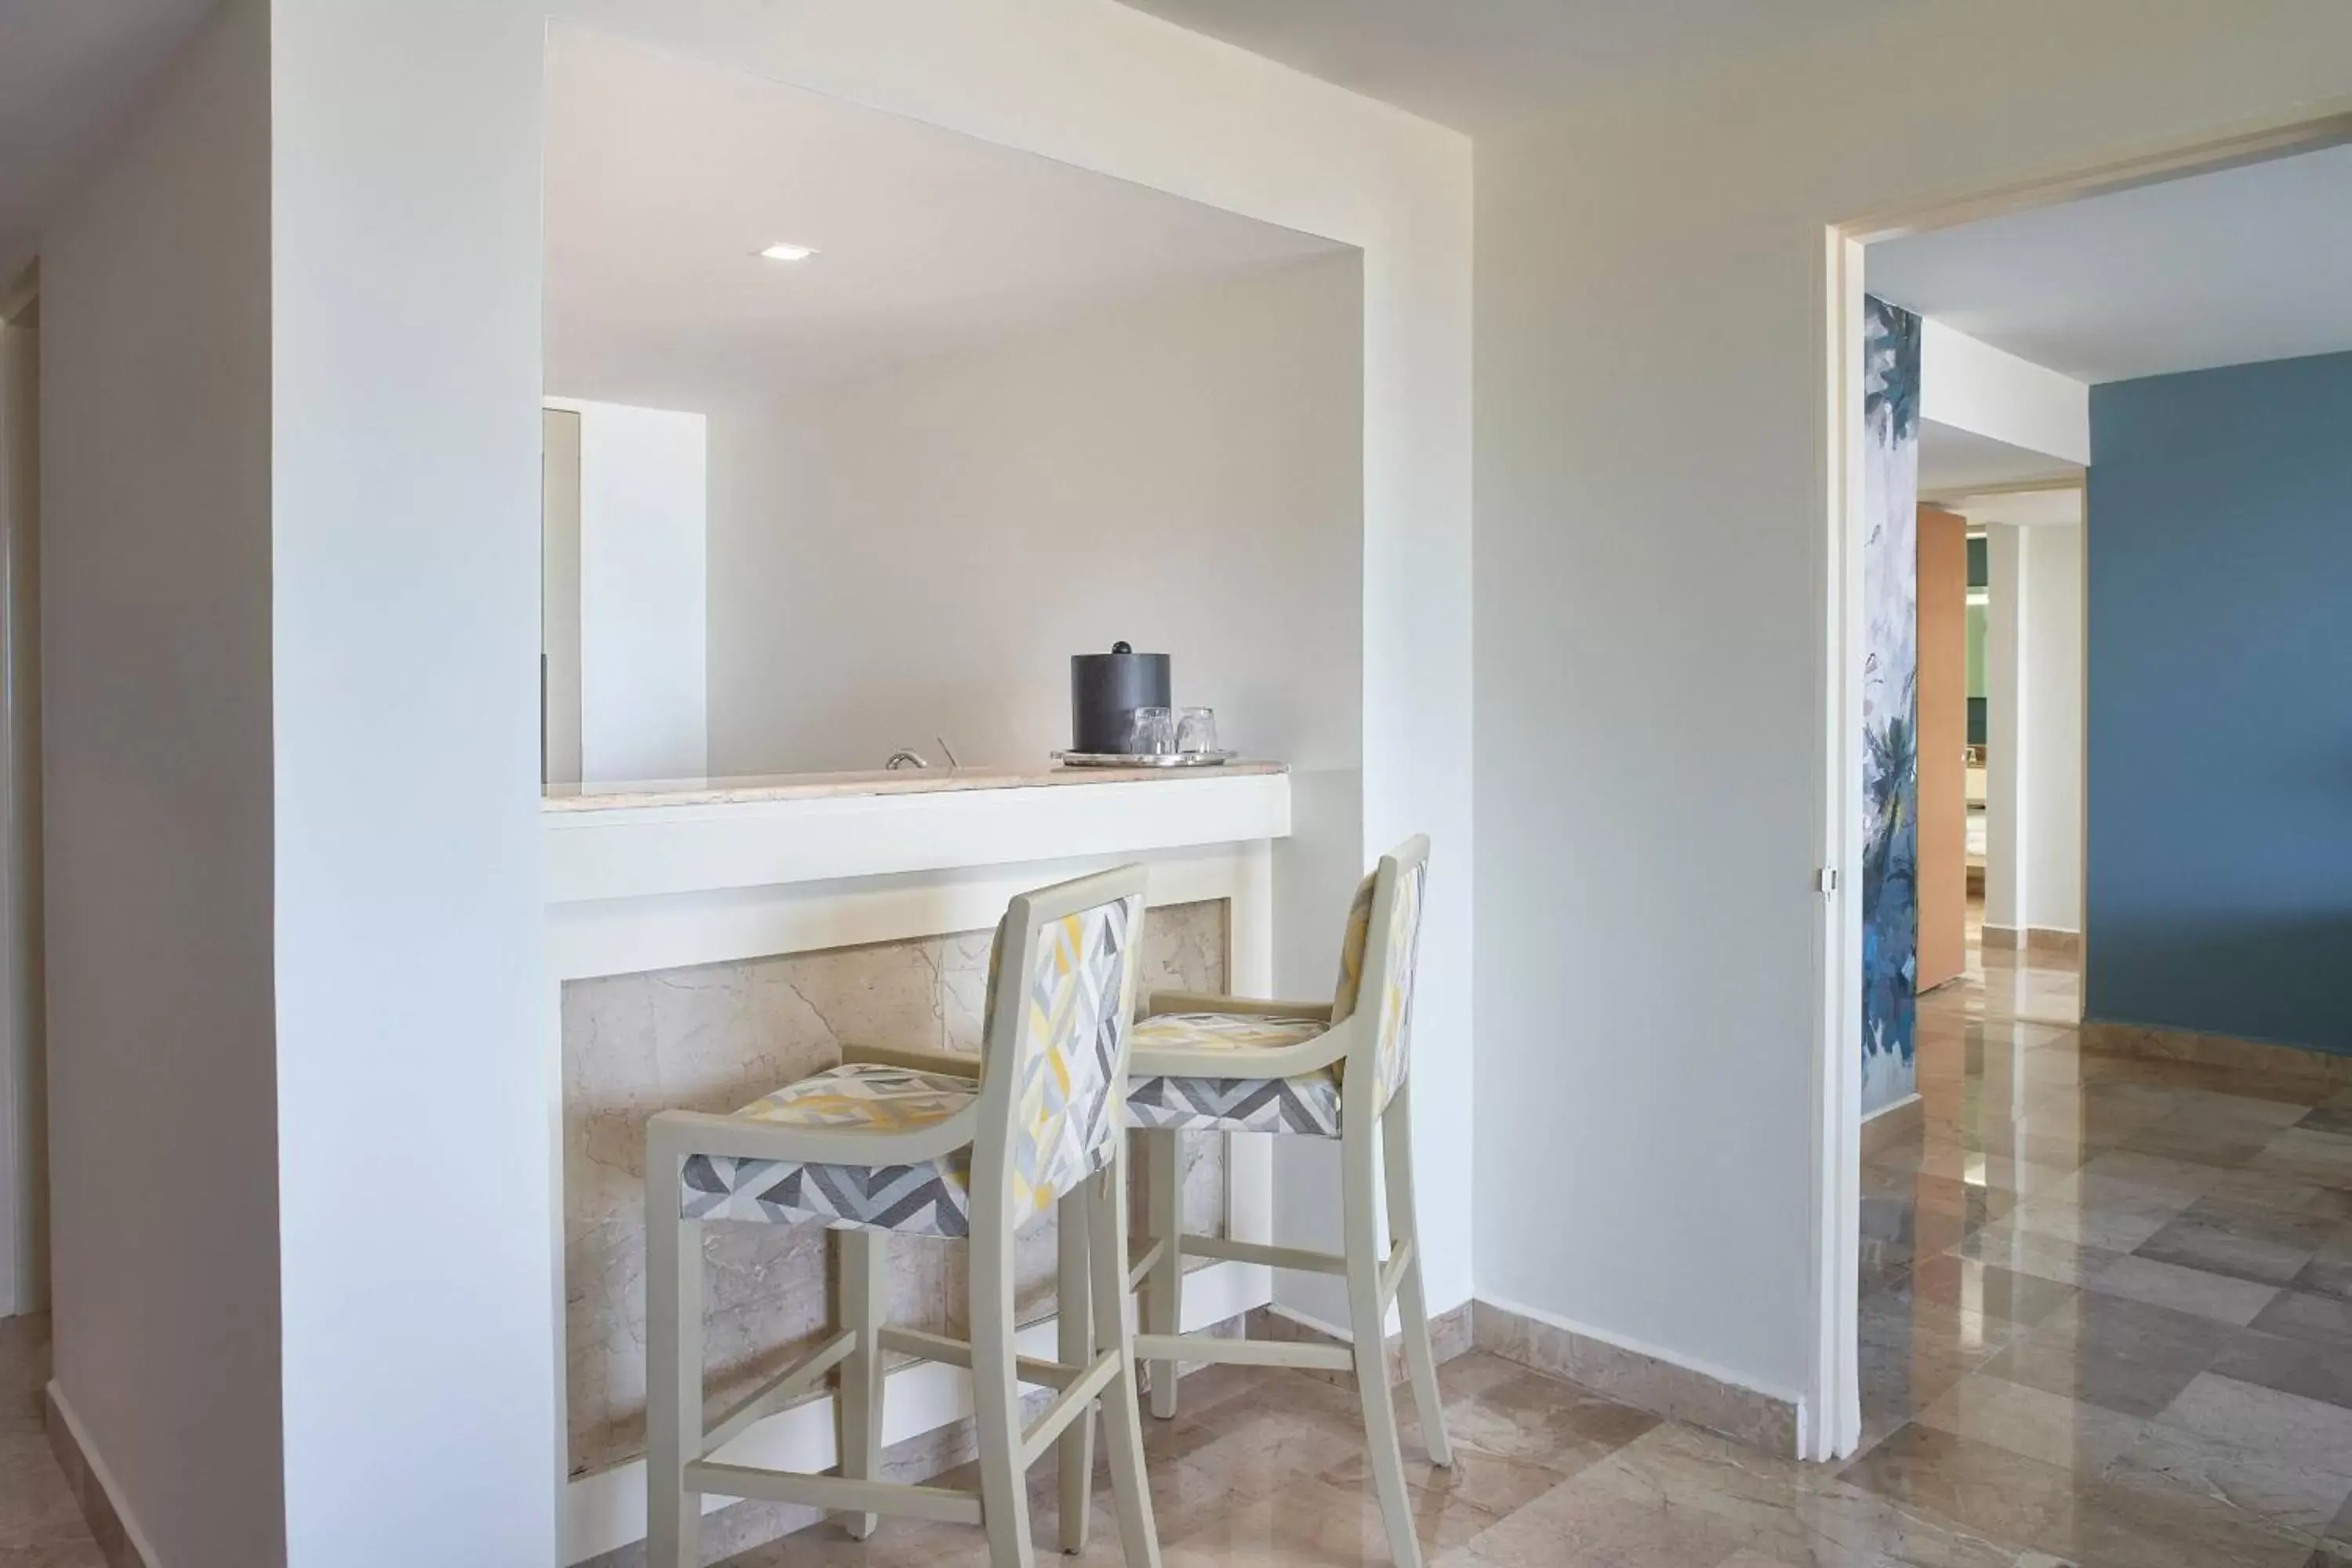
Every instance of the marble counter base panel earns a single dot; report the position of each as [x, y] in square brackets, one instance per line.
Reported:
[715, 1037]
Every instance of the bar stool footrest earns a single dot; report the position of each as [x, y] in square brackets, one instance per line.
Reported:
[833, 1493]
[773, 1393]
[925, 1346]
[1244, 1352]
[1227, 1250]
[1068, 1407]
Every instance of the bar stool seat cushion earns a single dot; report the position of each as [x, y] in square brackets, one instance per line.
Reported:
[1307, 1103]
[928, 1197]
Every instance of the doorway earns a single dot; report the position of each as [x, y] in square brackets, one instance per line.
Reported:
[2028, 957]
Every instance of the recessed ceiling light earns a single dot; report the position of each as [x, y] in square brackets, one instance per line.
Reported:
[789, 252]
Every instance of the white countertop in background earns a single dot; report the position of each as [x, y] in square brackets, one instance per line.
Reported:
[827, 787]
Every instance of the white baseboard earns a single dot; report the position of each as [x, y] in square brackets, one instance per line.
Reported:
[607, 1510]
[1891, 1125]
[1892, 1105]
[101, 1478]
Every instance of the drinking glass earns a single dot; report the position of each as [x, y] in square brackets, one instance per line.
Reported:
[1152, 732]
[1196, 730]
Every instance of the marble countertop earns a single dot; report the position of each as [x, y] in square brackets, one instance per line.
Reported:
[906, 781]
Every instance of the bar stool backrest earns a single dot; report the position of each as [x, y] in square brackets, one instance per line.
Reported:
[1061, 1004]
[1379, 953]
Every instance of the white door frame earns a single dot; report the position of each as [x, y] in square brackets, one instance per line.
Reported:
[1830, 1418]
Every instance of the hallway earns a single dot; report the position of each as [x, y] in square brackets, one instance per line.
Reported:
[2107, 1303]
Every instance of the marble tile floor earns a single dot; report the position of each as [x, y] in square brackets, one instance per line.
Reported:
[2106, 1309]
[2106, 1321]
[41, 1524]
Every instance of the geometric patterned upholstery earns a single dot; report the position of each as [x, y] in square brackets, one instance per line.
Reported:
[1351, 950]
[1224, 1032]
[1307, 1103]
[1068, 1102]
[1068, 1105]
[932, 1197]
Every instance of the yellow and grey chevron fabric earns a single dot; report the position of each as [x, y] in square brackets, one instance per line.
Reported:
[1403, 956]
[1068, 1109]
[1223, 1032]
[1307, 1103]
[864, 1096]
[931, 1197]
[1352, 947]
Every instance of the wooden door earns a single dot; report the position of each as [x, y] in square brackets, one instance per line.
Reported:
[1943, 745]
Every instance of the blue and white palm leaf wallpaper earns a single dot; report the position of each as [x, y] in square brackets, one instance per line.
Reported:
[1890, 704]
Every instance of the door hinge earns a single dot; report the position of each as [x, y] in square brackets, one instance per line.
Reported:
[1826, 879]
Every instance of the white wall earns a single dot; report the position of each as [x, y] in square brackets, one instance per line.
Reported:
[643, 615]
[2053, 875]
[1973, 386]
[405, 438]
[559, 594]
[156, 319]
[417, 1109]
[1651, 594]
[919, 553]
[2033, 707]
[2009, 826]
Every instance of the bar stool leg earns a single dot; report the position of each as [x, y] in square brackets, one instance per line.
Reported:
[1366, 1327]
[865, 1274]
[1163, 1288]
[1122, 1413]
[1075, 1326]
[674, 1354]
[1413, 1304]
[995, 1392]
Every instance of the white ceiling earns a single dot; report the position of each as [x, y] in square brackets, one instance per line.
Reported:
[69, 69]
[2224, 268]
[1477, 64]
[1952, 459]
[665, 176]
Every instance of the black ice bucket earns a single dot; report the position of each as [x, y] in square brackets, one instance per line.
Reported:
[1106, 689]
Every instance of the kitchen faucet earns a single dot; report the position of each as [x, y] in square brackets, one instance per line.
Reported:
[905, 758]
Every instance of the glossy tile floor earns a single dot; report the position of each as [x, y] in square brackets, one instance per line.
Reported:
[2108, 1303]
[41, 1525]
[2107, 1321]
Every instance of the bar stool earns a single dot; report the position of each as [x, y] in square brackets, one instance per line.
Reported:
[1333, 1069]
[910, 1142]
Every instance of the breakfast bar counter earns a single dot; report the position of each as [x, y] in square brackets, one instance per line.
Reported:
[691, 837]
[903, 781]
[709, 939]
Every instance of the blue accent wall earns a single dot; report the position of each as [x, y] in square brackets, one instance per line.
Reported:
[2219, 724]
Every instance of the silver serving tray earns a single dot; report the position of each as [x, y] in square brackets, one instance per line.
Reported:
[1144, 760]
